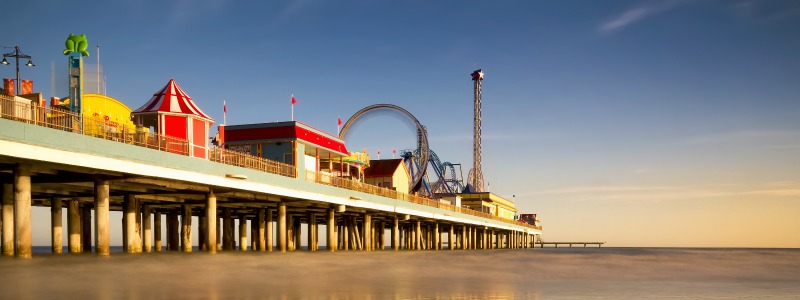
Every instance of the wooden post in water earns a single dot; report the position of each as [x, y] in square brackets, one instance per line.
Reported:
[282, 226]
[269, 238]
[157, 243]
[312, 232]
[227, 229]
[242, 232]
[55, 222]
[395, 233]
[101, 208]
[260, 219]
[202, 232]
[74, 226]
[147, 231]
[129, 228]
[331, 230]
[367, 232]
[186, 229]
[22, 211]
[8, 219]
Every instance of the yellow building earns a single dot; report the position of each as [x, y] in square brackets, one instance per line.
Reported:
[103, 114]
[489, 203]
[388, 173]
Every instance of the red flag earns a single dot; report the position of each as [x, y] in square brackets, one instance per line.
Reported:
[224, 107]
[294, 101]
[379, 152]
[338, 121]
[394, 151]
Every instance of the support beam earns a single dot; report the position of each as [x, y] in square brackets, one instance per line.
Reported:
[436, 235]
[74, 226]
[270, 232]
[101, 208]
[312, 232]
[147, 231]
[202, 232]
[242, 232]
[418, 234]
[282, 226]
[367, 232]
[451, 242]
[227, 229]
[186, 229]
[55, 224]
[395, 233]
[8, 219]
[86, 228]
[331, 230]
[129, 223]
[261, 225]
[158, 243]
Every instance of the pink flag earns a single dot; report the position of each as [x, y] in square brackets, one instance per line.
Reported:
[224, 107]
[294, 101]
[339, 121]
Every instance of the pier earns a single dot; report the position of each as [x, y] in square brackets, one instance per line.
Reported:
[555, 244]
[57, 159]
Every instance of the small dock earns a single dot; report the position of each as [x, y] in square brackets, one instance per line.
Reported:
[556, 244]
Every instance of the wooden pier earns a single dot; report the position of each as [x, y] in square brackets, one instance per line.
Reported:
[555, 244]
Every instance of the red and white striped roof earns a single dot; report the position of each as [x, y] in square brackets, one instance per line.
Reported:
[172, 99]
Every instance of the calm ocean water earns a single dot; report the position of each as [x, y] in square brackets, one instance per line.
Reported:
[605, 273]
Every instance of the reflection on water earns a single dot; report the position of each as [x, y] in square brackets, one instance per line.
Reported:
[609, 273]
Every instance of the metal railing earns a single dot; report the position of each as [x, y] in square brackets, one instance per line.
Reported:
[355, 185]
[56, 118]
[61, 119]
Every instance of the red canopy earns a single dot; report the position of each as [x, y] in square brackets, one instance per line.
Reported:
[172, 99]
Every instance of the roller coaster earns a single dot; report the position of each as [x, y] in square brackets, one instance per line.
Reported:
[419, 160]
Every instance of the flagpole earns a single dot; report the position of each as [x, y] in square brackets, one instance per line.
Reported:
[292, 107]
[224, 113]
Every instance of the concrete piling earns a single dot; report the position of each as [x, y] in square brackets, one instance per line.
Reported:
[282, 226]
[242, 232]
[331, 228]
[8, 219]
[211, 222]
[186, 228]
[227, 230]
[101, 209]
[22, 211]
[270, 231]
[55, 224]
[147, 229]
[129, 223]
[157, 241]
[260, 239]
[74, 226]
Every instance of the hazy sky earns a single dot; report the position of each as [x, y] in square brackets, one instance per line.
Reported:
[639, 123]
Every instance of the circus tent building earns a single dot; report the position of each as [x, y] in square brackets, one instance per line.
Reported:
[173, 115]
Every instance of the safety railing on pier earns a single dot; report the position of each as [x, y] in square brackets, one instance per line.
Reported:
[356, 185]
[22, 110]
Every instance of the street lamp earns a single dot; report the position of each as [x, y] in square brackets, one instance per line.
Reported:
[17, 55]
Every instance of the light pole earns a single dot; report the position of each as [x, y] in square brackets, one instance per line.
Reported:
[17, 55]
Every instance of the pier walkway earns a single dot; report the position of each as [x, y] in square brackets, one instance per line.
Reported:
[54, 159]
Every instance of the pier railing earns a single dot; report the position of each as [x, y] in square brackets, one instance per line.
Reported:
[355, 185]
[22, 110]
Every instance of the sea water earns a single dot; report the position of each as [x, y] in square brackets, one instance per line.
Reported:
[563, 273]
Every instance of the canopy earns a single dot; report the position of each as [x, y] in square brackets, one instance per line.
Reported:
[172, 99]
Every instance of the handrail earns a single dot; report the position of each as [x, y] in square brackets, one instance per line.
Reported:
[61, 119]
[355, 185]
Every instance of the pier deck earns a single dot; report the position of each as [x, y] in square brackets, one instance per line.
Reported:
[85, 173]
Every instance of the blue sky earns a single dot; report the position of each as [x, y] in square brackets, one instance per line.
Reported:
[642, 123]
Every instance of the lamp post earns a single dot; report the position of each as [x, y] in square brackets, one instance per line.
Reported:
[17, 55]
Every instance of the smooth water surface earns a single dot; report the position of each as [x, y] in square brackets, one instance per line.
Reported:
[604, 273]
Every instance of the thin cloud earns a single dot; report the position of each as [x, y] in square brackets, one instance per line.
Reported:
[637, 14]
